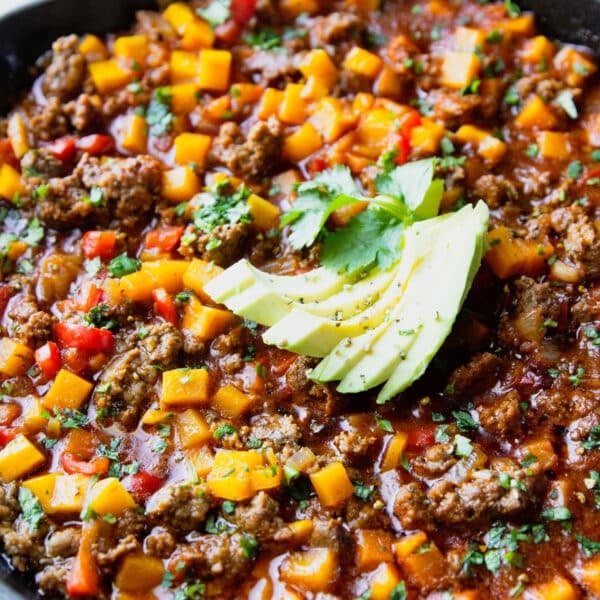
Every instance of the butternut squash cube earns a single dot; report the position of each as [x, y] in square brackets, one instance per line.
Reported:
[198, 34]
[302, 143]
[492, 149]
[302, 530]
[317, 63]
[269, 103]
[523, 25]
[553, 144]
[576, 66]
[302, 459]
[132, 50]
[155, 416]
[42, 487]
[331, 119]
[178, 15]
[373, 546]
[292, 109]
[314, 89]
[215, 66]
[230, 477]
[363, 62]
[422, 562]
[230, 402]
[590, 575]
[265, 216]
[313, 570]
[536, 115]
[543, 451]
[67, 391]
[185, 387]
[294, 8]
[383, 580]
[389, 83]
[93, 48]
[537, 50]
[557, 588]
[137, 286]
[201, 460]
[205, 322]
[198, 274]
[139, 573]
[332, 484]
[427, 136]
[69, 494]
[166, 273]
[17, 133]
[15, 357]
[468, 39]
[184, 66]
[266, 478]
[191, 428]
[180, 184]
[459, 69]
[33, 417]
[18, 458]
[135, 134]
[191, 148]
[10, 182]
[392, 454]
[184, 97]
[109, 75]
[108, 496]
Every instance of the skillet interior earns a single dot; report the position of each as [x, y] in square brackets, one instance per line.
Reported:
[25, 33]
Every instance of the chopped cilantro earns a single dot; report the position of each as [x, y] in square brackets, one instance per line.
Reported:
[123, 265]
[592, 441]
[363, 492]
[220, 207]
[441, 434]
[263, 39]
[31, 509]
[384, 425]
[99, 316]
[95, 197]
[229, 507]
[224, 430]
[159, 116]
[574, 169]
[588, 546]
[532, 150]
[216, 13]
[399, 592]
[160, 446]
[558, 513]
[249, 545]
[464, 421]
[577, 377]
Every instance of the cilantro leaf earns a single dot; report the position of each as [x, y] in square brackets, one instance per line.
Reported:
[372, 237]
[414, 184]
[31, 508]
[317, 199]
[216, 13]
[589, 547]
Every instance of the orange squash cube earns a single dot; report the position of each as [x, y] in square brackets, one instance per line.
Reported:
[206, 322]
[10, 182]
[536, 115]
[93, 48]
[230, 477]
[135, 134]
[363, 62]
[178, 15]
[18, 458]
[230, 402]
[184, 66]
[109, 75]
[67, 391]
[373, 546]
[198, 274]
[139, 573]
[132, 50]
[302, 143]
[557, 588]
[191, 428]
[313, 570]
[331, 119]
[537, 50]
[198, 34]
[180, 184]
[459, 69]
[553, 144]
[184, 97]
[574, 65]
[215, 66]
[317, 63]
[392, 453]
[468, 39]
[332, 484]
[200, 460]
[383, 580]
[270, 103]
[191, 148]
[15, 357]
[185, 387]
[265, 216]
[292, 109]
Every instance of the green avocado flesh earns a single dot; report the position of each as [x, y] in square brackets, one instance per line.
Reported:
[383, 329]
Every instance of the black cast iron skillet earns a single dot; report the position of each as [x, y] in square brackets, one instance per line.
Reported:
[28, 31]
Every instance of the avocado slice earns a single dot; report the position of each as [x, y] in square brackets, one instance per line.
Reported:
[349, 352]
[315, 335]
[311, 286]
[456, 282]
[421, 310]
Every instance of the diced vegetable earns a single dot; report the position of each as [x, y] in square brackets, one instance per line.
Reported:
[215, 66]
[191, 148]
[180, 184]
[459, 69]
[135, 134]
[394, 449]
[108, 75]
[191, 428]
[314, 569]
[205, 322]
[69, 493]
[363, 62]
[92, 47]
[15, 357]
[42, 487]
[17, 133]
[292, 109]
[139, 573]
[84, 579]
[373, 546]
[317, 63]
[553, 144]
[230, 402]
[67, 391]
[10, 182]
[265, 216]
[231, 475]
[132, 50]
[557, 588]
[302, 143]
[84, 337]
[99, 244]
[332, 484]
[421, 559]
[383, 580]
[19, 457]
[108, 496]
[536, 115]
[185, 387]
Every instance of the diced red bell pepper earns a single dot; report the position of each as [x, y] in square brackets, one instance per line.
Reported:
[84, 337]
[6, 291]
[9, 411]
[411, 120]
[242, 10]
[592, 174]
[404, 149]
[165, 306]
[48, 359]
[63, 148]
[83, 579]
[71, 464]
[88, 296]
[164, 238]
[317, 165]
[99, 243]
[8, 434]
[421, 436]
[96, 143]
[7, 154]
[142, 484]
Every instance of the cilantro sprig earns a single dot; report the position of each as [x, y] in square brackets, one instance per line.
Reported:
[374, 236]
